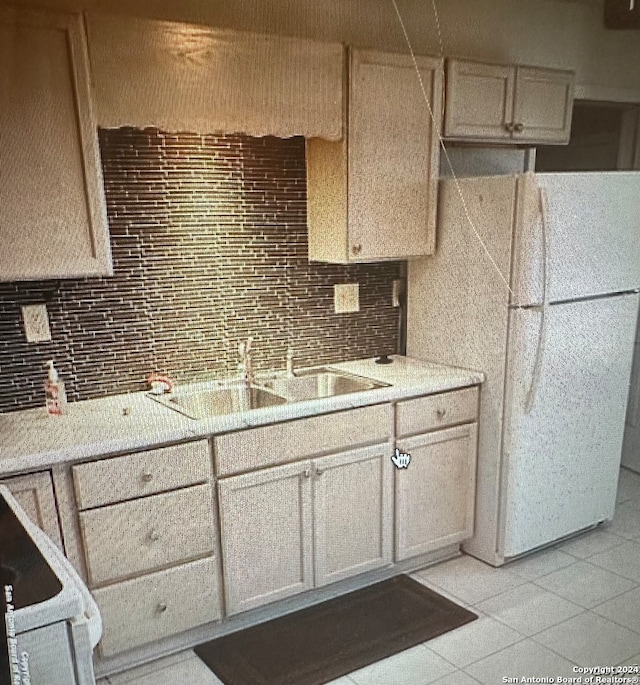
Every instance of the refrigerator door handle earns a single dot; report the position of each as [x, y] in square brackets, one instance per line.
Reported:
[542, 331]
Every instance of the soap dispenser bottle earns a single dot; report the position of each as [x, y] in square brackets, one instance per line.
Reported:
[56, 397]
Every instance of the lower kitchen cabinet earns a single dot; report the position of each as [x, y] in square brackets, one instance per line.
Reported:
[34, 493]
[352, 513]
[290, 528]
[300, 505]
[265, 519]
[435, 495]
[144, 530]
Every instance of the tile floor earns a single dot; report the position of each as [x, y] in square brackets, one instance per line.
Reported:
[575, 604]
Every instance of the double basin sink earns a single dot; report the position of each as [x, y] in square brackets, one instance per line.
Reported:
[201, 401]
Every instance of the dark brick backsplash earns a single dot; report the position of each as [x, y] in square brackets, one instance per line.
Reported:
[209, 242]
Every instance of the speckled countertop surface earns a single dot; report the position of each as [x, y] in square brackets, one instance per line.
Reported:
[32, 440]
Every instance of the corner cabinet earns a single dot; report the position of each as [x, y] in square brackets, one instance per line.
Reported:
[372, 196]
[507, 103]
[53, 220]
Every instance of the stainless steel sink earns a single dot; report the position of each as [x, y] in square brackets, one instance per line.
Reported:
[204, 403]
[316, 383]
[204, 400]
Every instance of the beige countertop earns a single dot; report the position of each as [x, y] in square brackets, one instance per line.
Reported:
[32, 440]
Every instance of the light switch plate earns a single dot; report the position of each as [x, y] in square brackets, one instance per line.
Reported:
[36, 322]
[346, 297]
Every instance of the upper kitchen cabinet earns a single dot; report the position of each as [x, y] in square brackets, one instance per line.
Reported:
[509, 104]
[53, 221]
[372, 196]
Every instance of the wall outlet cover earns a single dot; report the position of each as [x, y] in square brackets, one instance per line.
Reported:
[346, 297]
[36, 322]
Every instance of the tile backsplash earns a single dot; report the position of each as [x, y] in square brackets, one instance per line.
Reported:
[209, 242]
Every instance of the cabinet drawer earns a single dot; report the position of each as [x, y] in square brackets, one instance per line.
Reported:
[286, 442]
[158, 605]
[436, 411]
[145, 534]
[145, 473]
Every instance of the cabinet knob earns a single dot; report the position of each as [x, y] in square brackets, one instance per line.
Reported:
[518, 128]
[307, 473]
[509, 126]
[161, 608]
[356, 248]
[440, 413]
[147, 477]
[154, 535]
[319, 472]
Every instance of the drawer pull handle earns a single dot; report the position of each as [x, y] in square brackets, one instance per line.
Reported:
[307, 473]
[161, 608]
[154, 535]
[440, 413]
[147, 477]
[319, 472]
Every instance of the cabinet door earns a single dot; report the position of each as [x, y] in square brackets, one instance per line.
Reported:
[34, 493]
[53, 221]
[479, 101]
[394, 117]
[435, 495]
[543, 104]
[265, 520]
[353, 513]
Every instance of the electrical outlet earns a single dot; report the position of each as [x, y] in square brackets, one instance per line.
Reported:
[346, 298]
[36, 322]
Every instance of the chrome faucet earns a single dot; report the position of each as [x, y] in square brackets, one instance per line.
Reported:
[290, 373]
[245, 367]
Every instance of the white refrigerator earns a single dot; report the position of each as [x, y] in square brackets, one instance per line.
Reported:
[535, 282]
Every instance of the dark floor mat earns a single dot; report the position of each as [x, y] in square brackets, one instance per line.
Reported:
[316, 645]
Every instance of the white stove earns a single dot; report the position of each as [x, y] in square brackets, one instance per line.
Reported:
[51, 622]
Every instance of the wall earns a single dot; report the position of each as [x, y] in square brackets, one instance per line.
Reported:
[554, 33]
[595, 145]
[209, 242]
